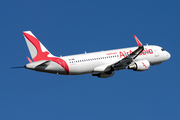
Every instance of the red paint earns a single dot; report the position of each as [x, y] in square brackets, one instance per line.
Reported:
[137, 40]
[44, 55]
[29, 59]
[111, 53]
[144, 65]
[144, 52]
[124, 53]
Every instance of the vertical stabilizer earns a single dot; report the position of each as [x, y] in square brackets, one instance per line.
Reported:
[36, 48]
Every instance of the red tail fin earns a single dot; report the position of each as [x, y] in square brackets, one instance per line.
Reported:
[39, 52]
[36, 48]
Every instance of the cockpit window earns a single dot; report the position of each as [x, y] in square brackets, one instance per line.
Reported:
[163, 49]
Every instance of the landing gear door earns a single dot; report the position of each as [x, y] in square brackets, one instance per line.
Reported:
[156, 52]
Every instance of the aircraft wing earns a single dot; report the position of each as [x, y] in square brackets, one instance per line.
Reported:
[123, 63]
[128, 59]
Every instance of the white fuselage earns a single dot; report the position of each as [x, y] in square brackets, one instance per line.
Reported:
[86, 63]
[101, 64]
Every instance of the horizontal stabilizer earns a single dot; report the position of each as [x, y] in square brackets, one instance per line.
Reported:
[33, 65]
[29, 59]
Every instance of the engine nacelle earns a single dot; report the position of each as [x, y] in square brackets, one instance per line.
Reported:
[104, 74]
[140, 65]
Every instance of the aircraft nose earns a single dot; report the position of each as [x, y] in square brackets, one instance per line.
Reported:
[168, 55]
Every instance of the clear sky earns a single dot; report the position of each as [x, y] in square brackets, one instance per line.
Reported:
[72, 27]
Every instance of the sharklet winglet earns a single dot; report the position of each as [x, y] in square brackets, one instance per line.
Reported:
[138, 41]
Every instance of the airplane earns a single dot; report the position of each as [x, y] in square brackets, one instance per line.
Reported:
[102, 64]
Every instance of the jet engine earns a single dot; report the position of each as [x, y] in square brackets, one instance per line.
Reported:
[104, 74]
[140, 65]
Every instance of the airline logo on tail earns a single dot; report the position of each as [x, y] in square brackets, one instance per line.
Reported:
[39, 52]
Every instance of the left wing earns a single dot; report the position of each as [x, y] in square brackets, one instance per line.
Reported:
[128, 59]
[123, 63]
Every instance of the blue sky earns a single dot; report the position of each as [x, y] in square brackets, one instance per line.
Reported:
[72, 27]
